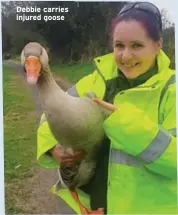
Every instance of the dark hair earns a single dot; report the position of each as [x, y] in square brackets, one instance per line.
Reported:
[148, 21]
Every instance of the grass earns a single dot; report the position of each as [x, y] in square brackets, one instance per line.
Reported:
[16, 57]
[20, 125]
[73, 72]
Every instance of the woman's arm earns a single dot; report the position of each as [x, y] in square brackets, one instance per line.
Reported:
[153, 144]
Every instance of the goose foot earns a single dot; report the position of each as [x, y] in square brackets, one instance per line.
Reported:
[84, 210]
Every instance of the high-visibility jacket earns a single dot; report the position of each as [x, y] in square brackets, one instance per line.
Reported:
[142, 167]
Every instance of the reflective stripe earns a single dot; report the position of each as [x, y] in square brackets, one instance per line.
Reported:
[73, 92]
[42, 121]
[90, 95]
[173, 131]
[151, 153]
[117, 156]
[156, 148]
[171, 80]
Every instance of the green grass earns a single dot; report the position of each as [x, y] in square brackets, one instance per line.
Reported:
[15, 58]
[20, 126]
[73, 72]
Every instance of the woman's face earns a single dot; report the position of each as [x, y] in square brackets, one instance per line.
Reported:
[134, 51]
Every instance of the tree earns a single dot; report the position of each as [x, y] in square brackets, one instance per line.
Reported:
[84, 33]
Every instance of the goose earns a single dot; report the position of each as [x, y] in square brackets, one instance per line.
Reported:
[75, 122]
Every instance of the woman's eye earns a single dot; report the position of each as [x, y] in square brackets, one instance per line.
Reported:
[137, 45]
[119, 45]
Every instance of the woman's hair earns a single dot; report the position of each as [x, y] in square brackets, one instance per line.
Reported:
[149, 22]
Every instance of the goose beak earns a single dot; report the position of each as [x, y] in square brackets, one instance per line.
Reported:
[32, 68]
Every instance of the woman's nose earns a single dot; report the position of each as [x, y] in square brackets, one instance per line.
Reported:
[126, 55]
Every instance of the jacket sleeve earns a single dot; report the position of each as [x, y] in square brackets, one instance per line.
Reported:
[153, 144]
[45, 140]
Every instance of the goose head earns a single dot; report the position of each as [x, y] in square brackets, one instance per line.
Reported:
[34, 59]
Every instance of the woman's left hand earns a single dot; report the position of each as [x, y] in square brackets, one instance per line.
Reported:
[106, 105]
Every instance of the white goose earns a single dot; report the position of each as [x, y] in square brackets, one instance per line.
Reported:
[76, 123]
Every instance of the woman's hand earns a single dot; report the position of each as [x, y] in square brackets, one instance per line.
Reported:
[65, 158]
[106, 105]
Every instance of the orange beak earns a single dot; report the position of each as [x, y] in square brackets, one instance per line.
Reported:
[32, 67]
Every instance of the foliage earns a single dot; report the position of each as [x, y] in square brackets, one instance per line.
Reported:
[83, 34]
[169, 43]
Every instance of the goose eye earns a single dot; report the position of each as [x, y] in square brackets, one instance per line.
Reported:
[24, 69]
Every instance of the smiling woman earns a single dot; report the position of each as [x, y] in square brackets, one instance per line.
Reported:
[134, 52]
[137, 166]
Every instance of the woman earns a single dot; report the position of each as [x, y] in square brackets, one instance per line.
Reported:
[136, 171]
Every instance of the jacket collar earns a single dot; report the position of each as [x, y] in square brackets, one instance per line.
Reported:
[139, 80]
[107, 67]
